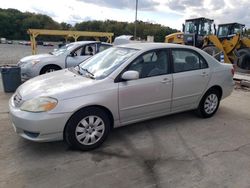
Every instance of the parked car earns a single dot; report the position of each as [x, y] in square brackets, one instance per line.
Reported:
[48, 44]
[39, 43]
[3, 40]
[67, 56]
[119, 86]
[9, 42]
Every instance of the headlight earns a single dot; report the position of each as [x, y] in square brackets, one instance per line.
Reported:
[41, 104]
[20, 63]
[35, 61]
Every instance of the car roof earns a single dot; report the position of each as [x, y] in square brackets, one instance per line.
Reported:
[155, 45]
[89, 42]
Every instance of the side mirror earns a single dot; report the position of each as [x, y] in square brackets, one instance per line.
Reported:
[130, 75]
[72, 54]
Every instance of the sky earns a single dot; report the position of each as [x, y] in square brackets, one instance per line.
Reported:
[170, 13]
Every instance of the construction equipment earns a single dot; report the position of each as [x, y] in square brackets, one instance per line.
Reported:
[229, 45]
[227, 32]
[176, 38]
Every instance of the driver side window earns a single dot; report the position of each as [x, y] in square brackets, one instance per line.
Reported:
[90, 49]
[153, 63]
[85, 50]
[79, 51]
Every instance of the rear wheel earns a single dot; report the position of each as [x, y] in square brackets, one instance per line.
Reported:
[49, 68]
[213, 51]
[87, 129]
[209, 103]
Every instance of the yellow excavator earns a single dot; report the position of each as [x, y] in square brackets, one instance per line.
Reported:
[228, 43]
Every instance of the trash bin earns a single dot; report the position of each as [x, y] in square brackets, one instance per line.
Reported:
[11, 77]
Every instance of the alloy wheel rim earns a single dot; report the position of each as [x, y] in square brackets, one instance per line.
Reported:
[211, 103]
[89, 130]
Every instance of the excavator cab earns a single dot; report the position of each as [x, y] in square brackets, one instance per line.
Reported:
[228, 30]
[196, 29]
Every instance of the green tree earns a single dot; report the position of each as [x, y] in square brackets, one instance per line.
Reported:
[14, 25]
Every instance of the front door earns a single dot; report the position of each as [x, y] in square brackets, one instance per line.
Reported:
[80, 54]
[150, 95]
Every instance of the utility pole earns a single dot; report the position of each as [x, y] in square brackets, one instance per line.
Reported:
[136, 7]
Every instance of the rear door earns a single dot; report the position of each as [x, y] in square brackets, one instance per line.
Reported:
[190, 76]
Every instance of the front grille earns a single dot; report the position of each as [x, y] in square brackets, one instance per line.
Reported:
[17, 99]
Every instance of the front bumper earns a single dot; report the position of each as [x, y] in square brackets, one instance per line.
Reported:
[25, 74]
[28, 71]
[39, 127]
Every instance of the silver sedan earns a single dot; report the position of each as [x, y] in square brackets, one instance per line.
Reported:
[119, 86]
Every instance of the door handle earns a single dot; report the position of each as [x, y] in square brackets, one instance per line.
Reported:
[204, 74]
[166, 81]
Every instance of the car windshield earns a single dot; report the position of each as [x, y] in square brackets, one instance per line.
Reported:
[104, 63]
[63, 49]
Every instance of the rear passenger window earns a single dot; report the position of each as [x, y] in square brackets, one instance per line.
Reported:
[103, 47]
[186, 60]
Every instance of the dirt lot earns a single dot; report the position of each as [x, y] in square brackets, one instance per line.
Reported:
[175, 151]
[12, 53]
[180, 150]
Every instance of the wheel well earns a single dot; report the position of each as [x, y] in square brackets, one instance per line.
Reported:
[217, 88]
[107, 111]
[50, 65]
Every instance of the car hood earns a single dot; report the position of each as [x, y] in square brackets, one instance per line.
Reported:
[61, 84]
[35, 57]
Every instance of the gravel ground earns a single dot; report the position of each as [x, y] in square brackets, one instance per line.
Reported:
[174, 151]
[12, 53]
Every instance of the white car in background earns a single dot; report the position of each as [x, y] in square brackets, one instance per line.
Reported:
[69, 55]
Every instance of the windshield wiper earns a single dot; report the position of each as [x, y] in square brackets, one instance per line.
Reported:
[86, 70]
[91, 75]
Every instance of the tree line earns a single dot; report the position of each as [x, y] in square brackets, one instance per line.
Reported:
[14, 25]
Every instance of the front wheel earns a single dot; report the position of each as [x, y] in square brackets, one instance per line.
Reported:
[87, 129]
[209, 104]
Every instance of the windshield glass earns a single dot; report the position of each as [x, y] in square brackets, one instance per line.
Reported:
[205, 28]
[237, 29]
[190, 27]
[223, 31]
[104, 63]
[63, 49]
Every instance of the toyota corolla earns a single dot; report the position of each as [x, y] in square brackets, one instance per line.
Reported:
[119, 86]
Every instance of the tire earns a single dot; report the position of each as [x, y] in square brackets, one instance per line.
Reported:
[49, 68]
[244, 60]
[209, 103]
[212, 50]
[87, 129]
